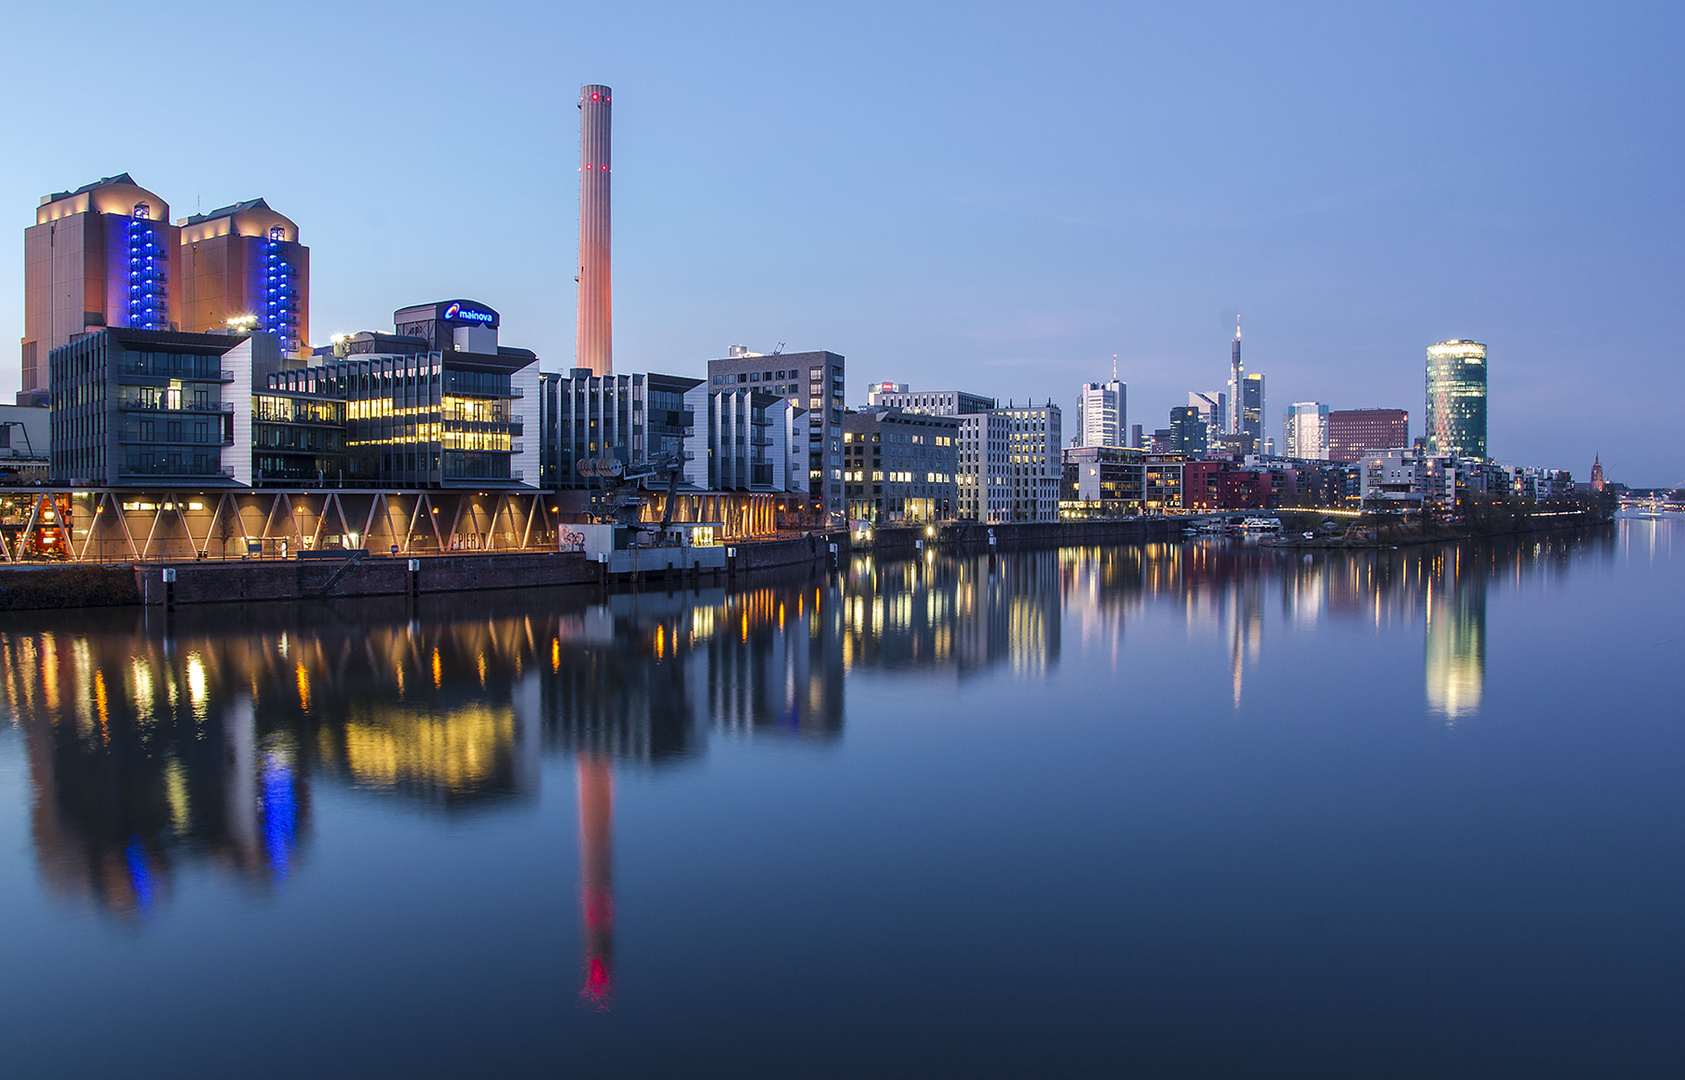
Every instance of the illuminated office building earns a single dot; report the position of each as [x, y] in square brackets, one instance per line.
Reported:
[1103, 413]
[744, 439]
[100, 256]
[1102, 482]
[1304, 428]
[899, 466]
[1236, 375]
[1245, 433]
[1456, 417]
[242, 265]
[1023, 468]
[438, 404]
[984, 469]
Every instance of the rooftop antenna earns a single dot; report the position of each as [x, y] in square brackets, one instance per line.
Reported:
[1237, 327]
[778, 350]
[1114, 367]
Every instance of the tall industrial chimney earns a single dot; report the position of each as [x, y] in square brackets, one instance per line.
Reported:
[594, 347]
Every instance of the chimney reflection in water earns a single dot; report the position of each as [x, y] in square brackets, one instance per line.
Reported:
[596, 878]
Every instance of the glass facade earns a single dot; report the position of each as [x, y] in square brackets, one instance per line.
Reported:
[130, 405]
[297, 439]
[631, 418]
[1456, 417]
[1252, 413]
[415, 420]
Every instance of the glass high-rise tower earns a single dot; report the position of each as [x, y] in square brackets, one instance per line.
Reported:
[1456, 418]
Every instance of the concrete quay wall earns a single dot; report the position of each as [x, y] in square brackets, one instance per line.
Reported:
[301, 579]
[211, 582]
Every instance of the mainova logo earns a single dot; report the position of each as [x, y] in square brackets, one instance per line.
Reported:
[457, 311]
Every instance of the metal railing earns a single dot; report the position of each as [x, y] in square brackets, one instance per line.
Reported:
[184, 406]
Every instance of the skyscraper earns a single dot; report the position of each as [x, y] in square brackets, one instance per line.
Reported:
[1103, 412]
[100, 256]
[1252, 413]
[1188, 432]
[1456, 418]
[595, 332]
[1304, 428]
[245, 262]
[1246, 403]
[1213, 406]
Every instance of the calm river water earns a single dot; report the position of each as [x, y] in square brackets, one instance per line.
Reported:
[1176, 810]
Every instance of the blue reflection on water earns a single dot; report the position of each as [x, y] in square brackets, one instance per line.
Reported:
[280, 813]
[141, 880]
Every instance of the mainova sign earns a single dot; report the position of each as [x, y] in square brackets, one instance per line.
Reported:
[457, 311]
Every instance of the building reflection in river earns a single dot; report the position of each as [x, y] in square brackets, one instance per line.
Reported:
[964, 615]
[154, 741]
[1221, 586]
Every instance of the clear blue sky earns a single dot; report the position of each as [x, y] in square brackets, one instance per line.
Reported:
[991, 196]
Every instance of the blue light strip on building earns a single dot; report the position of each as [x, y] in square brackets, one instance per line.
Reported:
[148, 303]
[280, 311]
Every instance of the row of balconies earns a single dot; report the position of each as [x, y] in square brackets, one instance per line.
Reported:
[179, 406]
[153, 436]
[138, 369]
[163, 466]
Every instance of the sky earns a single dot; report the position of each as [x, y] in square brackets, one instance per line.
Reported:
[992, 197]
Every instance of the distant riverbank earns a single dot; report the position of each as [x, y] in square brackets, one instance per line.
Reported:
[1477, 517]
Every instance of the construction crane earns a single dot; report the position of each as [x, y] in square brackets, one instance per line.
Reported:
[623, 496]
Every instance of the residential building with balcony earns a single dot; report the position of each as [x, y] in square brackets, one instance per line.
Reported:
[298, 439]
[1161, 483]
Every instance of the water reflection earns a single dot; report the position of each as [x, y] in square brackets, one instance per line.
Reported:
[1221, 588]
[959, 615]
[154, 742]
